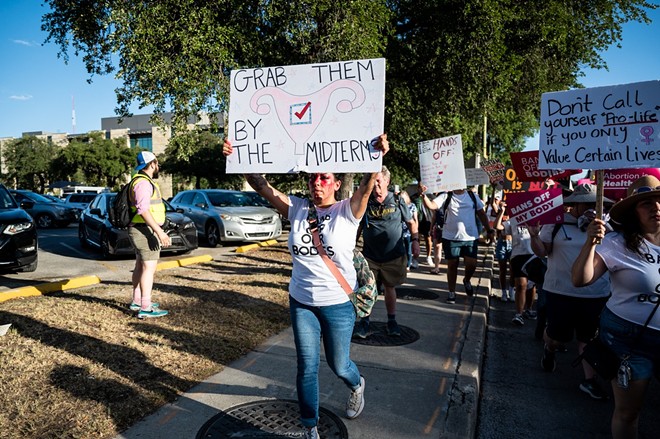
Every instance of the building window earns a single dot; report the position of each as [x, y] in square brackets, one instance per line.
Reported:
[142, 141]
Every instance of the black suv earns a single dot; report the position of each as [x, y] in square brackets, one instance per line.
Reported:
[18, 235]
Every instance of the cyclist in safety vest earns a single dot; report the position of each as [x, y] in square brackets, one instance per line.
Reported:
[146, 234]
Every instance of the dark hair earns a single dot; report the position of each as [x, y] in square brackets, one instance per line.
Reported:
[630, 229]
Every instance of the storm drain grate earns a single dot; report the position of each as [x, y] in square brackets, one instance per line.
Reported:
[268, 419]
[415, 294]
[377, 336]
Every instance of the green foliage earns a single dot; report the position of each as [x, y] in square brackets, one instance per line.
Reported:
[96, 161]
[195, 157]
[449, 63]
[28, 162]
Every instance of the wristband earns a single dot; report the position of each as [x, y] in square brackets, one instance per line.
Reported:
[415, 239]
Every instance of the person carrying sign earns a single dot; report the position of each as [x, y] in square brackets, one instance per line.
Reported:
[462, 211]
[321, 311]
[425, 221]
[384, 249]
[570, 310]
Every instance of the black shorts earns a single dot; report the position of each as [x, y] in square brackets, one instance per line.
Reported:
[424, 228]
[573, 316]
[517, 263]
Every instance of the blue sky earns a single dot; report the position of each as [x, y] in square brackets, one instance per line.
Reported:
[37, 88]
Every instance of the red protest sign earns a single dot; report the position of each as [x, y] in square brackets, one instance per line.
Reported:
[617, 181]
[526, 165]
[494, 168]
[511, 183]
[537, 207]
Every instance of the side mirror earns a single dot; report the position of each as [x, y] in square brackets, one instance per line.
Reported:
[96, 211]
[27, 204]
[180, 210]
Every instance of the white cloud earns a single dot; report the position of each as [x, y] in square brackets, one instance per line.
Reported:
[20, 97]
[24, 43]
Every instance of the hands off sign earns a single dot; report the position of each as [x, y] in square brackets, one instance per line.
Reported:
[537, 207]
[310, 118]
[441, 164]
[601, 128]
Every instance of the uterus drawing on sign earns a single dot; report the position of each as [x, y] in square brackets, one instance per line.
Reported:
[301, 115]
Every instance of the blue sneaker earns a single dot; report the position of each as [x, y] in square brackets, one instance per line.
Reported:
[154, 312]
[393, 329]
[136, 306]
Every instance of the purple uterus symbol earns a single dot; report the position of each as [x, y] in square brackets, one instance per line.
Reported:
[647, 132]
[300, 115]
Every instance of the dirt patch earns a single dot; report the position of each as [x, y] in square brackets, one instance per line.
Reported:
[80, 364]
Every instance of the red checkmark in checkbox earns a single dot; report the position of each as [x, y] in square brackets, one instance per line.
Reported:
[303, 111]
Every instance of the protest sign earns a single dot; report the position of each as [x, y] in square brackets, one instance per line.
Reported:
[476, 177]
[441, 164]
[511, 183]
[617, 181]
[494, 168]
[537, 207]
[310, 118]
[526, 165]
[601, 127]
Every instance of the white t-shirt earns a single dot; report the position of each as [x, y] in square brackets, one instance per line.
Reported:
[565, 249]
[460, 217]
[521, 241]
[312, 282]
[635, 279]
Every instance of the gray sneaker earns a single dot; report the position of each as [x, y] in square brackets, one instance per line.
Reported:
[311, 433]
[518, 320]
[451, 297]
[361, 329]
[355, 402]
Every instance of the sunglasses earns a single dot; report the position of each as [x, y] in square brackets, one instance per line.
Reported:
[642, 189]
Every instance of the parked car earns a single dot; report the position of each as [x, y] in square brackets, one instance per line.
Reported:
[18, 235]
[95, 230]
[79, 201]
[53, 198]
[225, 216]
[46, 213]
[258, 200]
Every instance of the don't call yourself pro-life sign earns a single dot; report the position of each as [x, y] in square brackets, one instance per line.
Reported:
[601, 128]
[536, 207]
[441, 164]
[307, 118]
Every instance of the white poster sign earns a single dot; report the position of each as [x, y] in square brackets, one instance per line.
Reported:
[476, 177]
[307, 118]
[601, 127]
[441, 164]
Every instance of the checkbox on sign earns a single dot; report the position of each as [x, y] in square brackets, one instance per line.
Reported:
[300, 114]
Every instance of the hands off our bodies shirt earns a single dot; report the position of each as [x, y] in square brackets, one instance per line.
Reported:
[312, 282]
[635, 279]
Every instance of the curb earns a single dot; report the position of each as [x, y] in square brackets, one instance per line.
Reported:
[247, 248]
[85, 281]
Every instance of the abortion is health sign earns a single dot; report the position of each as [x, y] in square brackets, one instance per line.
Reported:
[441, 164]
[536, 207]
[526, 165]
[310, 118]
[617, 181]
[601, 128]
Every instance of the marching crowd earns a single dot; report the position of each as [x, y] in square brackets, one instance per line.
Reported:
[592, 279]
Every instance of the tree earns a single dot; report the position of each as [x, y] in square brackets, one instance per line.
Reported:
[100, 161]
[28, 162]
[449, 63]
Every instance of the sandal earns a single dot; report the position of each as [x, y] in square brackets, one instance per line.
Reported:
[435, 271]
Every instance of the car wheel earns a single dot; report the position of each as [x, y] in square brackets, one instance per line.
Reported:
[212, 234]
[31, 267]
[105, 245]
[45, 221]
[82, 236]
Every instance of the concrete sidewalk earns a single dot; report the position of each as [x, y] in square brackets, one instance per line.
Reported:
[428, 388]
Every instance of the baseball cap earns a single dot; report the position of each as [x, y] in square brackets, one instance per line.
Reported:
[143, 159]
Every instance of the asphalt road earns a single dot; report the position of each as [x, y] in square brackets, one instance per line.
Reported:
[62, 257]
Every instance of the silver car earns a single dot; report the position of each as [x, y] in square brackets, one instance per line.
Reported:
[224, 216]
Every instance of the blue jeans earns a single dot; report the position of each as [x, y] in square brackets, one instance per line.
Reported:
[407, 242]
[335, 323]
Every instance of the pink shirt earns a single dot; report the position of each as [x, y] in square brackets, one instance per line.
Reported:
[142, 191]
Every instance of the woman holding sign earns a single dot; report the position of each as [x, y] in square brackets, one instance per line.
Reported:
[320, 309]
[629, 323]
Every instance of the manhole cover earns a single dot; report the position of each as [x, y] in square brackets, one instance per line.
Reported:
[377, 336]
[415, 294]
[268, 419]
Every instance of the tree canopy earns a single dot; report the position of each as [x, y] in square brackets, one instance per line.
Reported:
[449, 63]
[28, 161]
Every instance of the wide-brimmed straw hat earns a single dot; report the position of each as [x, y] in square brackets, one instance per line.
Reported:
[642, 188]
[584, 193]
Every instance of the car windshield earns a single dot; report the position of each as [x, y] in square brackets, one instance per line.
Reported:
[256, 199]
[6, 200]
[230, 199]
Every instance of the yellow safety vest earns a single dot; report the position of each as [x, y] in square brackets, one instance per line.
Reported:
[156, 206]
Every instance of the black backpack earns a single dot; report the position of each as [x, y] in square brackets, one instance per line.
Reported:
[120, 211]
